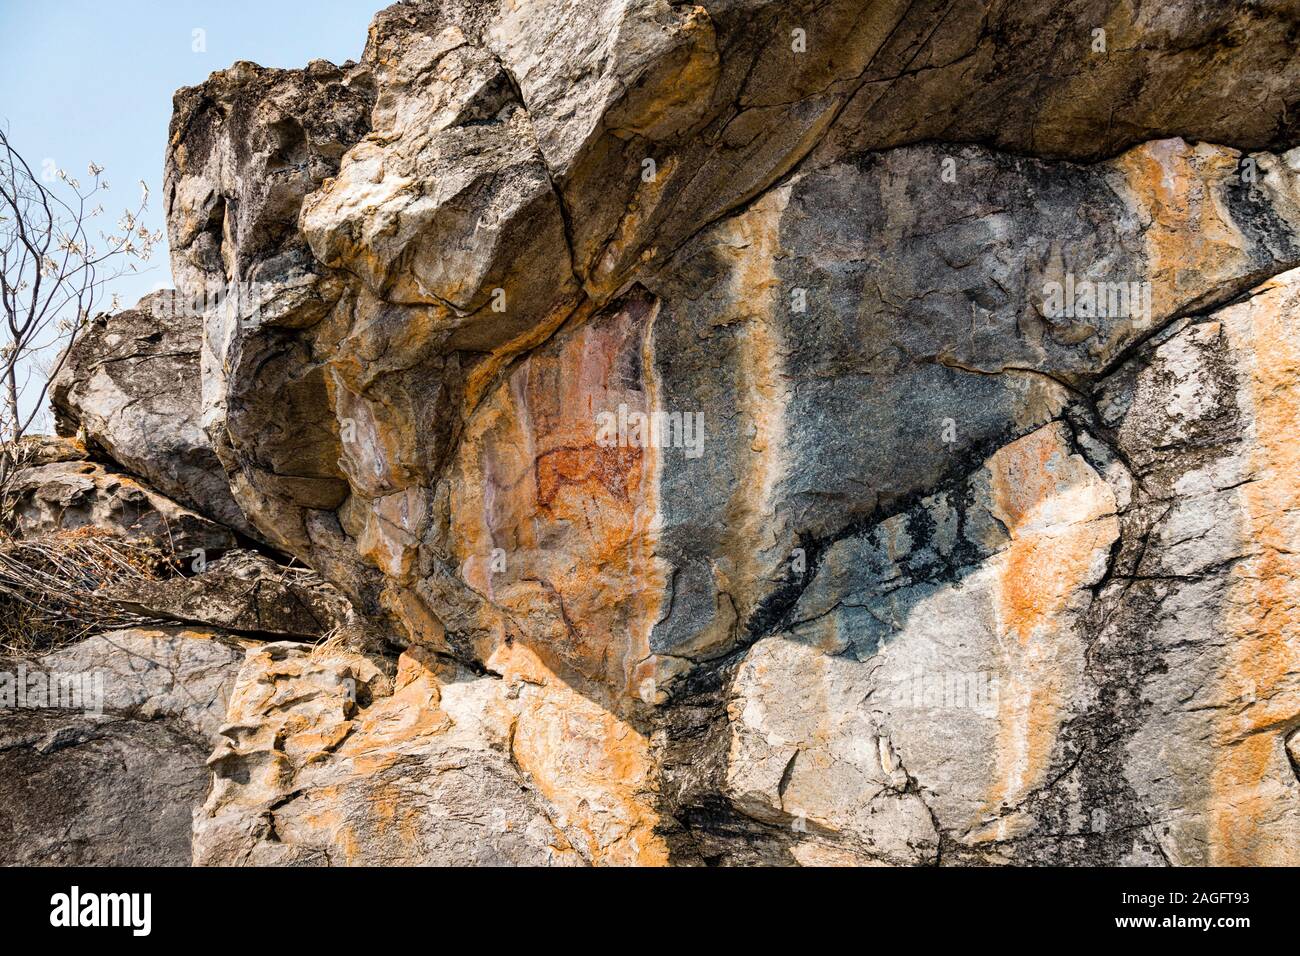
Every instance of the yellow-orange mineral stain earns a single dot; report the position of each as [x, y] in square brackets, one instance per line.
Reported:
[1191, 238]
[1249, 820]
[1060, 516]
[592, 765]
[572, 510]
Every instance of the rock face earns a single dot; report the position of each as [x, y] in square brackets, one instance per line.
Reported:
[762, 433]
[158, 672]
[327, 759]
[118, 791]
[71, 495]
[324, 762]
[129, 386]
[1206, 582]
[115, 781]
[245, 592]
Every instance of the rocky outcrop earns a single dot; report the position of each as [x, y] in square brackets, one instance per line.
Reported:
[74, 495]
[128, 385]
[758, 433]
[244, 592]
[104, 740]
[880, 363]
[1197, 620]
[115, 781]
[86, 790]
[328, 761]
[148, 673]
[105, 753]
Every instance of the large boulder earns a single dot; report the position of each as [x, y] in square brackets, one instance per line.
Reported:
[103, 745]
[128, 385]
[416, 773]
[150, 672]
[244, 592]
[1196, 627]
[493, 236]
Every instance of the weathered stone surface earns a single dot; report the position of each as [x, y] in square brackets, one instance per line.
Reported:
[329, 760]
[246, 147]
[85, 790]
[399, 340]
[68, 495]
[116, 783]
[969, 537]
[129, 385]
[1132, 706]
[807, 756]
[244, 591]
[1206, 591]
[154, 672]
[325, 761]
[48, 449]
[969, 607]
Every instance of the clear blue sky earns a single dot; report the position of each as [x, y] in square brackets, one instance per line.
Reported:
[93, 79]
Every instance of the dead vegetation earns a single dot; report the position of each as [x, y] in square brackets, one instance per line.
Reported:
[52, 587]
[14, 457]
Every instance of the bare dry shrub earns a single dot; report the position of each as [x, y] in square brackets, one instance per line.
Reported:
[51, 587]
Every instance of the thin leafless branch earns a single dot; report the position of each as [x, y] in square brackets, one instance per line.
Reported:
[54, 266]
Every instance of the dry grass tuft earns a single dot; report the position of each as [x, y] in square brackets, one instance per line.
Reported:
[332, 640]
[50, 587]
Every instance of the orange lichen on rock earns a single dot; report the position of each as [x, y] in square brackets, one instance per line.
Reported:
[1060, 516]
[1191, 240]
[554, 525]
[594, 767]
[1255, 800]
